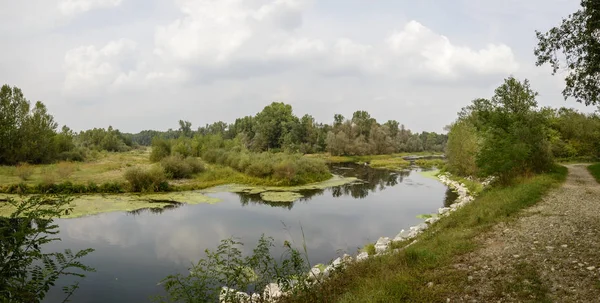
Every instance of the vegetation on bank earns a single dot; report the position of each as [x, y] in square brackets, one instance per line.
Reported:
[594, 169]
[27, 270]
[404, 276]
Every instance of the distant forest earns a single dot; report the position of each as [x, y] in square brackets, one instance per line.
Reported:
[30, 134]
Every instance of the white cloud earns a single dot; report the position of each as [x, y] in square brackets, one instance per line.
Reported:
[298, 47]
[211, 32]
[88, 68]
[422, 48]
[73, 7]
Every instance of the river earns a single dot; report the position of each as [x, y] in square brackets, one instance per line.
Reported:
[135, 250]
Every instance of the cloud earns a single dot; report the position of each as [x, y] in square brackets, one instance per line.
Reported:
[73, 7]
[421, 48]
[88, 68]
[213, 32]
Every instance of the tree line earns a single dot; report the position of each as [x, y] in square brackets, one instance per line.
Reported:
[276, 128]
[508, 135]
[29, 134]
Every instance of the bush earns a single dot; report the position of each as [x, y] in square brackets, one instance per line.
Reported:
[24, 171]
[150, 180]
[195, 164]
[161, 148]
[72, 155]
[285, 169]
[177, 167]
[111, 187]
[65, 169]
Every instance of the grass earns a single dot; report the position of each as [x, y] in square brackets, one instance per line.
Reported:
[594, 169]
[105, 173]
[403, 277]
[390, 163]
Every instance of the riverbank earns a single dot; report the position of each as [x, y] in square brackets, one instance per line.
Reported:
[398, 161]
[423, 271]
[105, 175]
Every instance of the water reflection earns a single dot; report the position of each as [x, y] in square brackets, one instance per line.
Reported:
[136, 250]
[155, 210]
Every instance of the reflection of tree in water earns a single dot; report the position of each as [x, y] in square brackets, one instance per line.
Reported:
[371, 180]
[246, 199]
[154, 210]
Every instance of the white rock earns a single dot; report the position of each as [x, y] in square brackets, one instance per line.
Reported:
[362, 256]
[432, 220]
[347, 259]
[382, 244]
[271, 292]
[443, 210]
[228, 295]
[337, 262]
[315, 272]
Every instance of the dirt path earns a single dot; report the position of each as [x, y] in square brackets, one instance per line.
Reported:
[550, 254]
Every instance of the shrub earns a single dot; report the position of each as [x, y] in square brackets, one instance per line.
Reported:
[72, 155]
[111, 187]
[65, 169]
[161, 148]
[177, 167]
[150, 180]
[92, 187]
[24, 171]
[195, 164]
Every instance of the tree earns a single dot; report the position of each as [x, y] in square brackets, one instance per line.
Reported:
[185, 128]
[39, 130]
[462, 148]
[577, 39]
[514, 133]
[14, 109]
[273, 123]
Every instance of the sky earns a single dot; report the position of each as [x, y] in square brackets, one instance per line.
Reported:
[146, 64]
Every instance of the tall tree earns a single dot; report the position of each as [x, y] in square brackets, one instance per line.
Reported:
[577, 39]
[273, 122]
[14, 109]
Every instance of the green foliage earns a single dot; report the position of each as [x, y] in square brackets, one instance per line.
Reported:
[594, 169]
[161, 148]
[573, 134]
[508, 136]
[370, 249]
[227, 267]
[577, 41]
[28, 134]
[177, 167]
[27, 272]
[146, 180]
[462, 148]
[285, 169]
[99, 139]
[430, 163]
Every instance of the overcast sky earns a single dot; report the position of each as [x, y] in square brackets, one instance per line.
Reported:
[145, 64]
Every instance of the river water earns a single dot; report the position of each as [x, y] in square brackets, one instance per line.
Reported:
[135, 250]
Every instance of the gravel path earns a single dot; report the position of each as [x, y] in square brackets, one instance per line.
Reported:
[550, 254]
